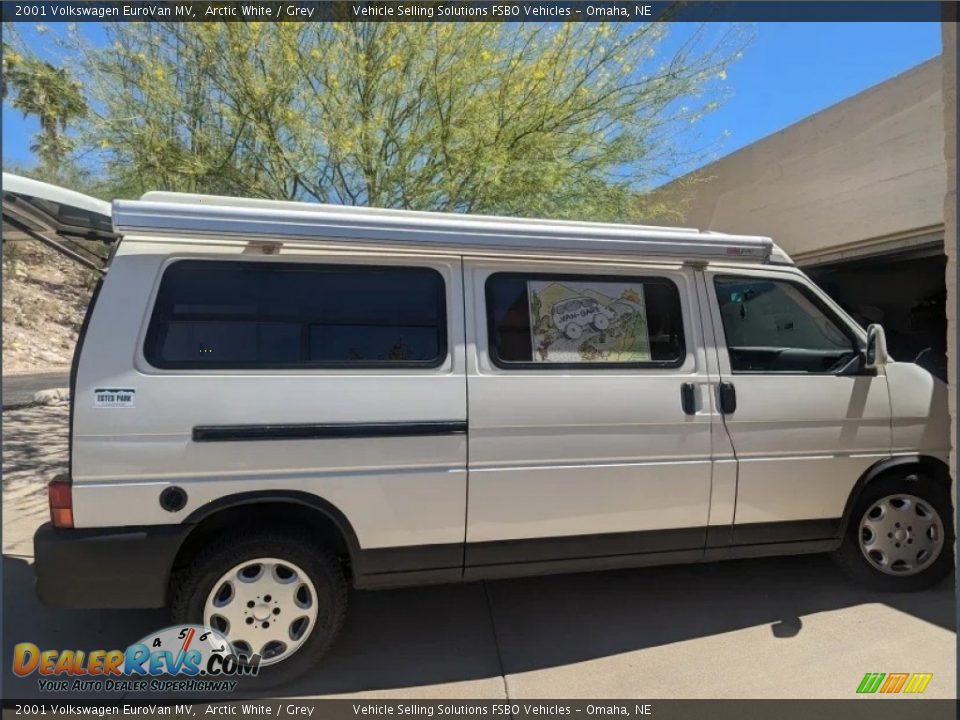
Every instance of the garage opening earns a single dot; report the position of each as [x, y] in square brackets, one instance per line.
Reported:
[905, 292]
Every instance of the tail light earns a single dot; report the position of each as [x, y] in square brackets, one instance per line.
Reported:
[60, 495]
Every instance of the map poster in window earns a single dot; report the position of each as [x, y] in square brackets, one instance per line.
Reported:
[580, 322]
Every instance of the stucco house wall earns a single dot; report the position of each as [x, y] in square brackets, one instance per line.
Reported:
[865, 172]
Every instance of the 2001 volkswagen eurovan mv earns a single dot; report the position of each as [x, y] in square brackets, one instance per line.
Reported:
[272, 401]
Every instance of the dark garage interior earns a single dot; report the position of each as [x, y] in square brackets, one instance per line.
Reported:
[906, 293]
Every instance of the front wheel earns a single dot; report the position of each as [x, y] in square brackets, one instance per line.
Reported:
[899, 535]
[274, 594]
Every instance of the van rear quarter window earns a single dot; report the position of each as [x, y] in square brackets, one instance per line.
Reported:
[238, 314]
[579, 321]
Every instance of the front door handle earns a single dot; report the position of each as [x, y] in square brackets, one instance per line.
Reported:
[688, 399]
[728, 398]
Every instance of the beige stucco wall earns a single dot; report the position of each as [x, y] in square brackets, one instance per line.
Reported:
[868, 169]
[949, 33]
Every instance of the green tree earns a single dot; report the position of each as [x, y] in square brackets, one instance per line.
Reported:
[50, 94]
[563, 120]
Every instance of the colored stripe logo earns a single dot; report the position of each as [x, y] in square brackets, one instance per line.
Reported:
[891, 683]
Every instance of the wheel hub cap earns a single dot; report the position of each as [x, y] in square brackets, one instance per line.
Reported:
[901, 535]
[264, 606]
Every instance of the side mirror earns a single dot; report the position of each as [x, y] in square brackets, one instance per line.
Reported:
[876, 354]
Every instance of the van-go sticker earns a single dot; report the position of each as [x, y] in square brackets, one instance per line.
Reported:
[114, 397]
[574, 322]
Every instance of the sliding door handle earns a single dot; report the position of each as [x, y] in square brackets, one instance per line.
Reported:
[728, 398]
[688, 398]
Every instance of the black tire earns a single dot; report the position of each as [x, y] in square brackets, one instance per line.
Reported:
[191, 586]
[852, 560]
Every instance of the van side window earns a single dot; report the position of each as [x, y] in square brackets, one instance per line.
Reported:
[234, 314]
[777, 326]
[557, 321]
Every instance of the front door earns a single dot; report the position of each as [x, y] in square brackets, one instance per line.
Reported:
[589, 437]
[805, 423]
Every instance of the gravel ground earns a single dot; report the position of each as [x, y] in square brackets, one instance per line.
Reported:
[35, 449]
[45, 296]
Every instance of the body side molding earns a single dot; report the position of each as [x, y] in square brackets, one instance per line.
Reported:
[315, 431]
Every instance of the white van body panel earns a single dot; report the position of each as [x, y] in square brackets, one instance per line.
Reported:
[802, 440]
[919, 412]
[585, 451]
[802, 451]
[395, 491]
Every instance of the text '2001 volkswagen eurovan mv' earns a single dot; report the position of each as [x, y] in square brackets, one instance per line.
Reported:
[274, 401]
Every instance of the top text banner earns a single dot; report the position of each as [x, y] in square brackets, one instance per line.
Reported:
[424, 11]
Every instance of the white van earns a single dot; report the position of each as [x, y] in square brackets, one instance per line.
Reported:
[274, 401]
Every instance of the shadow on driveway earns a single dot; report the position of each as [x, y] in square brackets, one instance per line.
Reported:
[426, 636]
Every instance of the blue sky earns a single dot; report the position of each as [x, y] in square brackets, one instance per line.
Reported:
[789, 71]
[792, 70]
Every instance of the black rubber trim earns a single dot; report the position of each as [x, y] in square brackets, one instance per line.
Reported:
[298, 497]
[584, 547]
[783, 532]
[418, 558]
[719, 536]
[799, 547]
[414, 578]
[120, 567]
[313, 431]
[424, 564]
[408, 566]
[577, 565]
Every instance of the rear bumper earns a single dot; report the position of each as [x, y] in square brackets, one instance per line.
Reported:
[123, 567]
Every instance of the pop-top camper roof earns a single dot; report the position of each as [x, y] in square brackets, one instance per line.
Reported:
[180, 215]
[30, 206]
[55, 216]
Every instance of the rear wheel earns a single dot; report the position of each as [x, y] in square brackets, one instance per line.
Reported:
[275, 594]
[900, 534]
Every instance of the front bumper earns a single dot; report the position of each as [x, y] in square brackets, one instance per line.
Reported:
[122, 567]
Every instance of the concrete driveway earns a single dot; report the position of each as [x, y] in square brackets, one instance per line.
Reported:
[766, 628]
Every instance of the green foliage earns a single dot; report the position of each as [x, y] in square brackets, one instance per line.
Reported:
[49, 93]
[562, 120]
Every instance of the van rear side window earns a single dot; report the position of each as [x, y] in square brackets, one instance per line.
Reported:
[576, 321]
[249, 315]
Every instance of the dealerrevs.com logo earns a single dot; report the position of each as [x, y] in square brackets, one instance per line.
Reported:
[198, 657]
